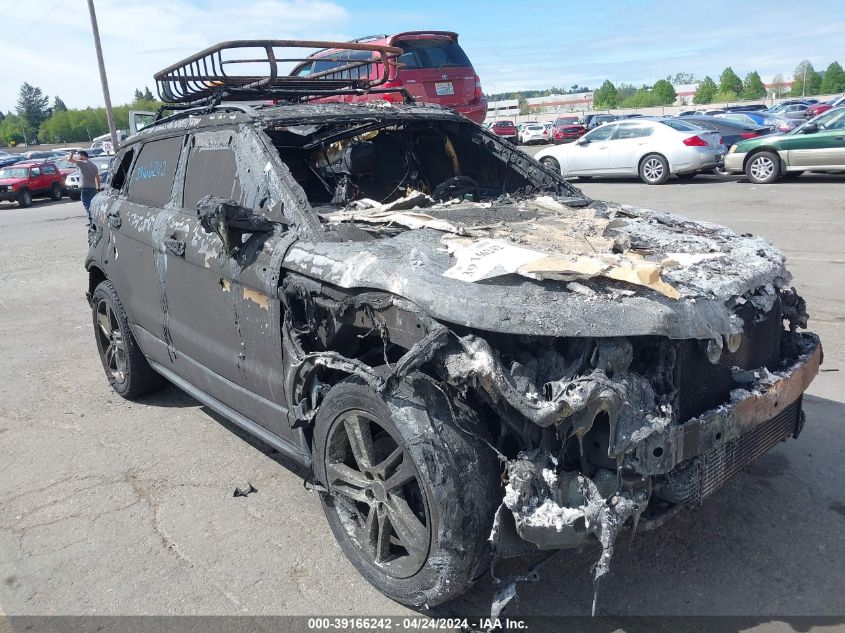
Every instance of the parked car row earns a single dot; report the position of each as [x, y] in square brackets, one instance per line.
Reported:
[27, 179]
[654, 149]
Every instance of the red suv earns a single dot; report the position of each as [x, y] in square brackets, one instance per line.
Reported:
[433, 69]
[567, 129]
[22, 182]
[505, 129]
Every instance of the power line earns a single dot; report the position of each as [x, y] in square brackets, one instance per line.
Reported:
[36, 24]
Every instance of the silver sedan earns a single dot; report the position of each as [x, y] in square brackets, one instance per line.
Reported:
[651, 149]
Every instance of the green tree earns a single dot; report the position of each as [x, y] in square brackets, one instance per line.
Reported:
[663, 92]
[2, 116]
[14, 130]
[642, 98]
[59, 105]
[834, 79]
[705, 91]
[606, 96]
[148, 96]
[805, 72]
[722, 96]
[753, 87]
[729, 81]
[32, 106]
[139, 96]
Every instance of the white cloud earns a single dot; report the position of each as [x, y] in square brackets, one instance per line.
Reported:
[57, 54]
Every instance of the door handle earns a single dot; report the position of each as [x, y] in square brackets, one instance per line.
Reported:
[175, 246]
[839, 138]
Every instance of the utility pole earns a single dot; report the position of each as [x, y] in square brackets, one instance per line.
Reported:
[103, 80]
[804, 82]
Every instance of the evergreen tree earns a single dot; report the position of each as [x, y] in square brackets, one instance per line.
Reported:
[753, 87]
[148, 96]
[139, 96]
[729, 82]
[705, 92]
[834, 79]
[59, 105]
[32, 106]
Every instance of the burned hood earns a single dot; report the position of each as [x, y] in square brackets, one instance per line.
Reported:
[537, 266]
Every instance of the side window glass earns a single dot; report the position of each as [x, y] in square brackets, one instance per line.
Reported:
[601, 133]
[36, 171]
[49, 169]
[123, 165]
[152, 178]
[211, 170]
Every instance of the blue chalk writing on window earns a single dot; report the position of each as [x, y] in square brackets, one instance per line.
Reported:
[152, 169]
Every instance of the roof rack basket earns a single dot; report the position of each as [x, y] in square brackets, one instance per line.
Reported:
[213, 75]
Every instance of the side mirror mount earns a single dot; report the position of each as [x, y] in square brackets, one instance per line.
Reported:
[229, 221]
[583, 141]
[810, 128]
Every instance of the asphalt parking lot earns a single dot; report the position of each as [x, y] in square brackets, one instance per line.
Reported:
[113, 507]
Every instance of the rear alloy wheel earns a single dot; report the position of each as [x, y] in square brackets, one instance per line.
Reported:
[56, 191]
[410, 495]
[763, 168]
[25, 199]
[654, 170]
[551, 163]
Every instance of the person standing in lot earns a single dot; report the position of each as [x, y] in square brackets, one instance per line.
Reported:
[89, 179]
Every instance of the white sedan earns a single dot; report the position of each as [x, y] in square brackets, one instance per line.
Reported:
[533, 133]
[651, 149]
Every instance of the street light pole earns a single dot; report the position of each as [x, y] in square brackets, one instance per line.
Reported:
[103, 80]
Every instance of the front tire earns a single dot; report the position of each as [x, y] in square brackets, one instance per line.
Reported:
[127, 370]
[412, 489]
[763, 168]
[56, 192]
[654, 169]
[25, 199]
[551, 163]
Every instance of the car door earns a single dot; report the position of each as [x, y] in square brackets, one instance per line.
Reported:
[590, 155]
[824, 148]
[132, 212]
[628, 145]
[36, 180]
[224, 311]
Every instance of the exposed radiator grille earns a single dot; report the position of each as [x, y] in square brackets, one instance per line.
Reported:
[703, 385]
[698, 478]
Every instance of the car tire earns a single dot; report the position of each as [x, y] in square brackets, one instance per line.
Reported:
[127, 370]
[654, 169]
[551, 163]
[687, 176]
[445, 508]
[56, 192]
[25, 199]
[763, 168]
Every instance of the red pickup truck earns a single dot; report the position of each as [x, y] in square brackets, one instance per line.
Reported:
[22, 182]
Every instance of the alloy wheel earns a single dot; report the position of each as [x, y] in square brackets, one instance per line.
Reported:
[377, 494]
[653, 169]
[110, 343]
[762, 167]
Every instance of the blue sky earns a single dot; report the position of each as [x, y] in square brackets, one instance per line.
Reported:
[532, 44]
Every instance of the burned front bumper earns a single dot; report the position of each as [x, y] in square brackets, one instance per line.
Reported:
[680, 464]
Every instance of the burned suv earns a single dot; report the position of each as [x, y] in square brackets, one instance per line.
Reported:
[469, 357]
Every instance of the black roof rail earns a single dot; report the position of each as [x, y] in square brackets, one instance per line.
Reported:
[206, 78]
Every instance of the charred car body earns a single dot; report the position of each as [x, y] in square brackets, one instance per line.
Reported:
[471, 358]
